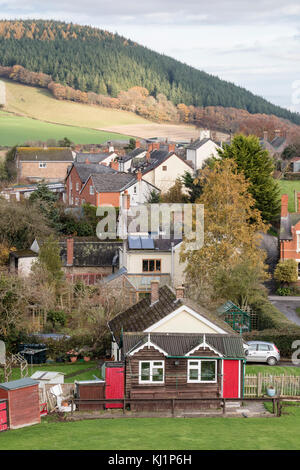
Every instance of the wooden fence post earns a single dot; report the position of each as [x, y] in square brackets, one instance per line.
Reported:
[259, 384]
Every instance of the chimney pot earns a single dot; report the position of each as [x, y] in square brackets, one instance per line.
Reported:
[139, 175]
[114, 164]
[137, 144]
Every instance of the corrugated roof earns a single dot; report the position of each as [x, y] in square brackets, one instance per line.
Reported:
[179, 344]
[21, 383]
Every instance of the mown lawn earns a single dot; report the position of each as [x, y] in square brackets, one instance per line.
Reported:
[160, 433]
[65, 367]
[16, 130]
[271, 370]
[288, 187]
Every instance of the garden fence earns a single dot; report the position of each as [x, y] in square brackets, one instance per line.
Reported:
[285, 385]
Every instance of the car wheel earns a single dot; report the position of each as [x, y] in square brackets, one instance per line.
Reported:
[272, 361]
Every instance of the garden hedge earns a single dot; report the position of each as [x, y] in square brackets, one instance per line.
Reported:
[274, 327]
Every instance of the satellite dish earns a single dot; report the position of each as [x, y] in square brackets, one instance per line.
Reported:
[2, 353]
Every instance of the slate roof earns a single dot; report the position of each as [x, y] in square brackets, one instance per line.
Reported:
[91, 253]
[142, 315]
[286, 224]
[197, 144]
[179, 344]
[91, 157]
[113, 182]
[278, 141]
[160, 244]
[44, 155]
[85, 170]
[21, 383]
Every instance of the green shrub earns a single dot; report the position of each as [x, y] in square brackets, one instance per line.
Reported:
[268, 315]
[284, 291]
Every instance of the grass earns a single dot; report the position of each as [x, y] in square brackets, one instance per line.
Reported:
[288, 187]
[272, 370]
[65, 367]
[160, 434]
[297, 310]
[16, 130]
[40, 104]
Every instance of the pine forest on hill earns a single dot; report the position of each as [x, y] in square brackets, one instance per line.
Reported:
[96, 61]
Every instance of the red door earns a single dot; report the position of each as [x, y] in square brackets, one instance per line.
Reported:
[3, 416]
[114, 385]
[231, 378]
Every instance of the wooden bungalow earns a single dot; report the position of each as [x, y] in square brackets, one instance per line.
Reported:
[172, 348]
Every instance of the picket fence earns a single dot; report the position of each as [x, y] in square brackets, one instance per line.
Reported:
[285, 385]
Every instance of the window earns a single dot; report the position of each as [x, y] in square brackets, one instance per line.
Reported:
[82, 201]
[42, 165]
[76, 201]
[151, 265]
[299, 270]
[92, 190]
[252, 347]
[298, 242]
[151, 372]
[164, 168]
[263, 347]
[202, 371]
[77, 186]
[134, 189]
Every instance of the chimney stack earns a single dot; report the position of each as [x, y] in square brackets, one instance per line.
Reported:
[284, 205]
[139, 176]
[155, 146]
[70, 251]
[114, 164]
[179, 292]
[148, 157]
[277, 132]
[154, 291]
[137, 144]
[126, 203]
[265, 136]
[150, 147]
[171, 148]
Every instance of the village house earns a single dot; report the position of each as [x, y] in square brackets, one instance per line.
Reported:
[289, 236]
[169, 347]
[83, 258]
[109, 189]
[77, 176]
[146, 259]
[100, 158]
[161, 168]
[43, 164]
[277, 145]
[201, 149]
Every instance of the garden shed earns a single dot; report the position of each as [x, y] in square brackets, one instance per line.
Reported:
[23, 402]
[238, 319]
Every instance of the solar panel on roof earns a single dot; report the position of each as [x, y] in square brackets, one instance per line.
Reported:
[147, 243]
[134, 243]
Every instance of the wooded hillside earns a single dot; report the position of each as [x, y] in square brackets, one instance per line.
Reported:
[93, 60]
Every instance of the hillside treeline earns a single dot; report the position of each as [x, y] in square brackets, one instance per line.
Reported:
[159, 109]
[93, 60]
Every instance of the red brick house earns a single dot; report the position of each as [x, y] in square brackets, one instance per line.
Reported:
[77, 176]
[289, 236]
[107, 189]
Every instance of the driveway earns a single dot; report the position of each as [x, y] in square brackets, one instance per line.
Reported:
[287, 305]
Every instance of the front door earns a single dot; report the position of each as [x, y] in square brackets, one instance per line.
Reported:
[231, 378]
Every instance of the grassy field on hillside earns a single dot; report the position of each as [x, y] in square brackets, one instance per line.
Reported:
[288, 187]
[160, 433]
[40, 104]
[16, 130]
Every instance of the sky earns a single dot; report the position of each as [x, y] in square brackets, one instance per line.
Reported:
[253, 44]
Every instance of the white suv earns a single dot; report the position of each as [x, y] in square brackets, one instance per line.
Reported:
[260, 351]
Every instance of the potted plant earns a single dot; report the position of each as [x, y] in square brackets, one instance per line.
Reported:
[87, 354]
[271, 391]
[72, 354]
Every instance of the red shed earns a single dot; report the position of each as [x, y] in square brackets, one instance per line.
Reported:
[23, 402]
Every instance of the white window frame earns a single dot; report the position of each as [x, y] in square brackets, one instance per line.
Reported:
[298, 261]
[92, 191]
[151, 381]
[77, 186]
[198, 368]
[42, 165]
[134, 190]
[298, 241]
